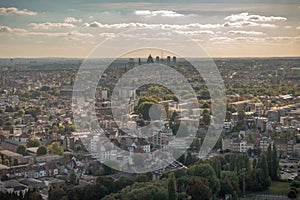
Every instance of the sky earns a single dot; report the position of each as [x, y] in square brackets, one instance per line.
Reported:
[30, 28]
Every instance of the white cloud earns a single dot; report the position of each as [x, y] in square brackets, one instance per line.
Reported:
[191, 26]
[72, 20]
[50, 25]
[73, 35]
[220, 40]
[298, 27]
[195, 33]
[240, 24]
[107, 35]
[163, 13]
[253, 18]
[155, 39]
[280, 39]
[78, 34]
[233, 32]
[202, 26]
[96, 24]
[6, 29]
[287, 27]
[13, 10]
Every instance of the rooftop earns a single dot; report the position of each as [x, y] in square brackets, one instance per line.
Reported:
[10, 153]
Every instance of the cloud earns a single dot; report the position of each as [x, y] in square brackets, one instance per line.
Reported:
[154, 13]
[253, 18]
[245, 33]
[78, 34]
[193, 26]
[220, 40]
[287, 27]
[298, 27]
[71, 20]
[6, 29]
[50, 25]
[195, 33]
[73, 35]
[248, 23]
[254, 40]
[109, 35]
[96, 24]
[280, 39]
[13, 10]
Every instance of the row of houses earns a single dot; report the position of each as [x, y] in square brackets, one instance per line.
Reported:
[259, 144]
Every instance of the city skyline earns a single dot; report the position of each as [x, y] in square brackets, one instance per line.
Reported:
[75, 28]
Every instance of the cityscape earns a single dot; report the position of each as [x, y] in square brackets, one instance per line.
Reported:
[164, 120]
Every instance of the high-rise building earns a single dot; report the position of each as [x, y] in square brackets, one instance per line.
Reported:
[174, 60]
[168, 60]
[150, 59]
[157, 59]
[131, 63]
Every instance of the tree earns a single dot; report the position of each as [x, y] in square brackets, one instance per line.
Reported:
[241, 115]
[206, 171]
[171, 97]
[55, 128]
[216, 164]
[33, 143]
[206, 117]
[56, 149]
[141, 178]
[231, 108]
[73, 179]
[42, 150]
[254, 164]
[32, 195]
[72, 128]
[205, 105]
[21, 112]
[275, 163]
[255, 100]
[226, 187]
[189, 159]
[196, 144]
[265, 174]
[122, 183]
[198, 189]
[292, 194]
[295, 183]
[57, 193]
[107, 182]
[229, 183]
[21, 149]
[172, 191]
[144, 108]
[228, 115]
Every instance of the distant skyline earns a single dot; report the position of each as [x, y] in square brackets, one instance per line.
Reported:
[74, 28]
